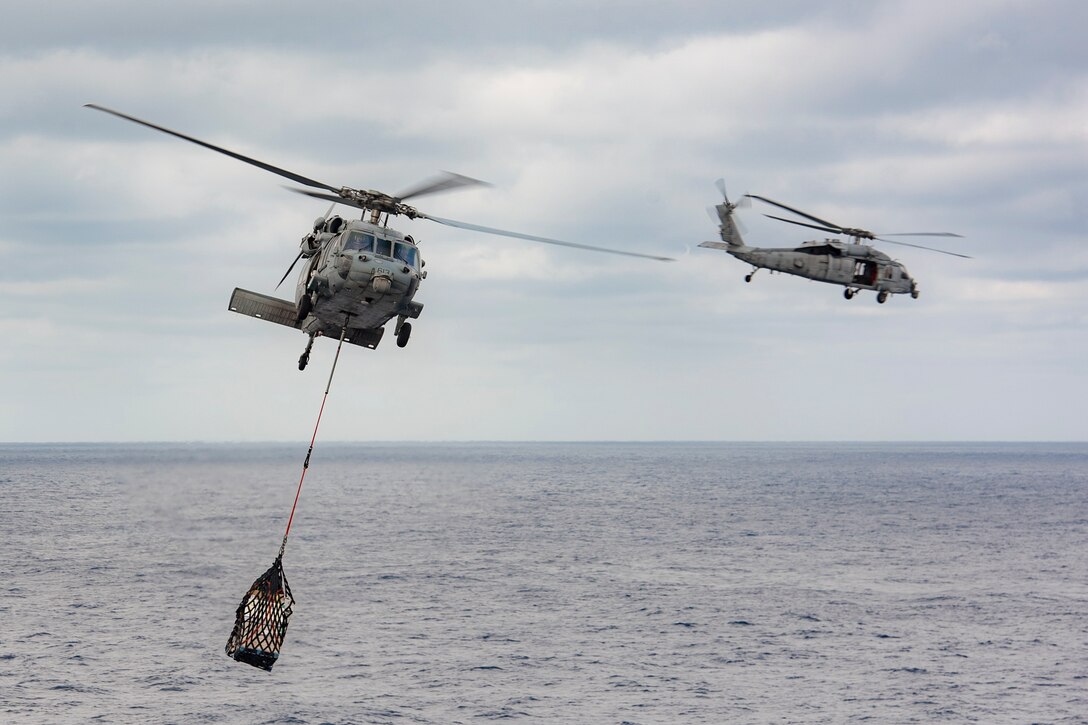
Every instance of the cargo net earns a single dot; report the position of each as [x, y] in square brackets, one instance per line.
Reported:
[261, 621]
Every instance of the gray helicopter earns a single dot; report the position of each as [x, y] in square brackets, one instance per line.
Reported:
[854, 265]
[360, 273]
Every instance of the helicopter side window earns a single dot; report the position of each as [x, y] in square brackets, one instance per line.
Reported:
[383, 247]
[406, 254]
[359, 241]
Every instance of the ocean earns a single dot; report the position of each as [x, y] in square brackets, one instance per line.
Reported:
[550, 582]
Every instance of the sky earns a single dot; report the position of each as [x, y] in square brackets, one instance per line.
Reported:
[603, 123]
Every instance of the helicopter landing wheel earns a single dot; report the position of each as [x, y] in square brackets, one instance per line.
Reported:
[882, 297]
[404, 334]
[848, 293]
[747, 278]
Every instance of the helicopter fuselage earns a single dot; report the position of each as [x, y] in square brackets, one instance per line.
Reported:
[855, 266]
[360, 275]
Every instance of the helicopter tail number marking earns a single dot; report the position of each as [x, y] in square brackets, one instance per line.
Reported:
[263, 307]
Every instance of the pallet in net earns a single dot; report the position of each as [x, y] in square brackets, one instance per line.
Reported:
[261, 620]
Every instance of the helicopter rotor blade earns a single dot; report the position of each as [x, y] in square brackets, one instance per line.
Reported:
[833, 230]
[446, 181]
[859, 233]
[922, 234]
[798, 212]
[254, 162]
[544, 240]
[743, 203]
[881, 238]
[928, 249]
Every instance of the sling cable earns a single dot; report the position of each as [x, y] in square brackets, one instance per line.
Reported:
[260, 623]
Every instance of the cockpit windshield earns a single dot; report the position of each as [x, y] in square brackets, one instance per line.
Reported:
[358, 241]
[406, 253]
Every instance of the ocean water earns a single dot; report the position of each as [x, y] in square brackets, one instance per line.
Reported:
[559, 583]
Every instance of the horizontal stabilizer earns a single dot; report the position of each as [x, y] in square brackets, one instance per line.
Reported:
[264, 307]
[718, 245]
[282, 312]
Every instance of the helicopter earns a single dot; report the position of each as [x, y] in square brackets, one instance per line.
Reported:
[359, 273]
[855, 265]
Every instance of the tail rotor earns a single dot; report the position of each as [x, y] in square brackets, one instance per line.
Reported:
[729, 227]
[725, 210]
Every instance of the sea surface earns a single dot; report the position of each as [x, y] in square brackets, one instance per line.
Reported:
[550, 582]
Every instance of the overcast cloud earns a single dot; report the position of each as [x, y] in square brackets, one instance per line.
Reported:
[603, 123]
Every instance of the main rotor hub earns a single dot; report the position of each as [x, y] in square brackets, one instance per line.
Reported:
[858, 233]
[376, 201]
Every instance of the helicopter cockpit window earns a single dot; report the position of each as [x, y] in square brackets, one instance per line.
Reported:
[383, 247]
[358, 241]
[406, 254]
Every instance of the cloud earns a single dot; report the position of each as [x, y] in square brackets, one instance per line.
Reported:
[71, 286]
[1053, 117]
[120, 246]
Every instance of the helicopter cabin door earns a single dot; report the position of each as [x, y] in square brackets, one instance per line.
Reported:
[865, 272]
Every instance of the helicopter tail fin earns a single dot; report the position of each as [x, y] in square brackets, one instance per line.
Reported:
[727, 225]
[732, 240]
[730, 233]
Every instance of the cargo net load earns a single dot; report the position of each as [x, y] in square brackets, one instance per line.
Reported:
[261, 621]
